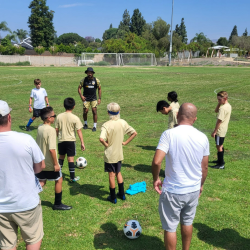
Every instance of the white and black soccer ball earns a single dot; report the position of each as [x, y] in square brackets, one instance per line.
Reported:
[81, 162]
[132, 229]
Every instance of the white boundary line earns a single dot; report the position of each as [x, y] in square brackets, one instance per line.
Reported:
[11, 84]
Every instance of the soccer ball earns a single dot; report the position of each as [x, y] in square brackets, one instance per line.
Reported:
[81, 162]
[132, 229]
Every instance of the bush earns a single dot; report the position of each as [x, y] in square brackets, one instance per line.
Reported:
[26, 63]
[39, 50]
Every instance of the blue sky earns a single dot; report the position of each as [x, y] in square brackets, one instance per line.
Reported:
[215, 18]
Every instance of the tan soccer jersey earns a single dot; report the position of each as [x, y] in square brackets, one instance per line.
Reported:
[67, 123]
[113, 131]
[224, 115]
[172, 116]
[46, 140]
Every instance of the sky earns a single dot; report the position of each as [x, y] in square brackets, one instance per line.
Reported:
[215, 18]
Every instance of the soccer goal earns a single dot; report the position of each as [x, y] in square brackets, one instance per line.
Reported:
[137, 59]
[99, 59]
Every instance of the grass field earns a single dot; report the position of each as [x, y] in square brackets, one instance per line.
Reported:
[222, 218]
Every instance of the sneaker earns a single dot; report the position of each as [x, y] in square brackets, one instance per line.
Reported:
[216, 162]
[218, 167]
[93, 129]
[27, 128]
[85, 126]
[61, 207]
[122, 197]
[113, 201]
[77, 178]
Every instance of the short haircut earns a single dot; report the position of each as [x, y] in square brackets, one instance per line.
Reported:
[222, 94]
[69, 103]
[173, 96]
[3, 120]
[37, 81]
[45, 112]
[161, 104]
[115, 108]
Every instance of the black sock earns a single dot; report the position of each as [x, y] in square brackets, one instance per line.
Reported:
[121, 188]
[61, 162]
[220, 159]
[58, 198]
[72, 170]
[112, 193]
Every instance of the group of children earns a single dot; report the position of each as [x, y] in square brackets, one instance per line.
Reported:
[112, 136]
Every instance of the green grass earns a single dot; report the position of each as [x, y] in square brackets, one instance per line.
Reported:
[222, 218]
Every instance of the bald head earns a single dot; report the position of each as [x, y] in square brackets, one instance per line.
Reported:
[187, 113]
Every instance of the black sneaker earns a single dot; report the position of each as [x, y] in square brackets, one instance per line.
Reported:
[218, 167]
[85, 126]
[122, 197]
[93, 129]
[27, 128]
[61, 207]
[113, 201]
[216, 162]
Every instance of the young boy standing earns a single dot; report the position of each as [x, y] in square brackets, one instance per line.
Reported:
[112, 136]
[66, 124]
[40, 95]
[46, 140]
[224, 112]
[174, 108]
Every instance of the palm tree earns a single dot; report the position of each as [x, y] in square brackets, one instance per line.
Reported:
[12, 37]
[21, 34]
[4, 27]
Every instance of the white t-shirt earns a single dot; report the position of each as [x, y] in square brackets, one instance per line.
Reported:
[18, 191]
[185, 147]
[39, 97]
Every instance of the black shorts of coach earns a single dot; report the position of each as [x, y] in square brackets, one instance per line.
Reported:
[36, 112]
[113, 167]
[219, 140]
[67, 148]
[49, 175]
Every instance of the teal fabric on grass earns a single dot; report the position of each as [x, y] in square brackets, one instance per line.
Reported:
[137, 188]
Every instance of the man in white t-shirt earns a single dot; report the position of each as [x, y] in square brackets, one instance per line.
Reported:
[186, 151]
[20, 206]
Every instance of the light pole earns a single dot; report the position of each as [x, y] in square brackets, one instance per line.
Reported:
[171, 34]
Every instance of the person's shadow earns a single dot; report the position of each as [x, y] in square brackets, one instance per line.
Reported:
[153, 148]
[23, 128]
[46, 204]
[112, 238]
[226, 238]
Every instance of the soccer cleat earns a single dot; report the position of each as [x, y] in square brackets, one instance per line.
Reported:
[122, 197]
[27, 128]
[216, 162]
[93, 129]
[218, 167]
[113, 201]
[61, 207]
[85, 126]
[77, 178]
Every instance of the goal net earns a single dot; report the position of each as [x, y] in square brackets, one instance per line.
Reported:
[137, 59]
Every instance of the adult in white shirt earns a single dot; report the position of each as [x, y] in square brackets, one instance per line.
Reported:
[20, 206]
[186, 151]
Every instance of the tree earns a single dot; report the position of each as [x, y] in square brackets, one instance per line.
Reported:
[97, 40]
[245, 33]
[111, 26]
[41, 24]
[222, 41]
[201, 38]
[233, 33]
[137, 23]
[21, 34]
[12, 37]
[125, 23]
[89, 39]
[160, 28]
[68, 38]
[183, 31]
[110, 33]
[4, 27]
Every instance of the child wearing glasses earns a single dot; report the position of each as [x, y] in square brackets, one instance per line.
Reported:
[40, 95]
[46, 140]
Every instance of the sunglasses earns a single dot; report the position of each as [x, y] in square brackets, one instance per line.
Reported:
[50, 116]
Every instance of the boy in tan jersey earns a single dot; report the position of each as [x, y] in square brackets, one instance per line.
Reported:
[46, 140]
[174, 108]
[224, 112]
[112, 136]
[66, 124]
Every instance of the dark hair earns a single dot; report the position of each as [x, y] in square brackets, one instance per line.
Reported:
[173, 96]
[45, 113]
[37, 81]
[3, 120]
[69, 103]
[161, 104]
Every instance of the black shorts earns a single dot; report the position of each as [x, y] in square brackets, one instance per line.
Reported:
[219, 140]
[67, 148]
[49, 175]
[36, 112]
[113, 167]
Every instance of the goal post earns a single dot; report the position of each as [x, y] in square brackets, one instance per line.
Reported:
[99, 59]
[137, 59]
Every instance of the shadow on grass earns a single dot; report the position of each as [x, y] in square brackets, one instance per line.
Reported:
[23, 128]
[47, 204]
[226, 238]
[112, 238]
[144, 169]
[153, 148]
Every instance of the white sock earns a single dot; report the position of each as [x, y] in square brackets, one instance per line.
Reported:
[95, 125]
[85, 122]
